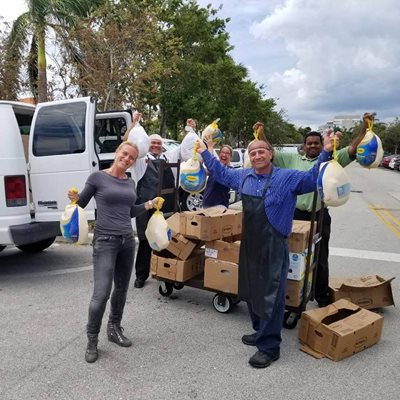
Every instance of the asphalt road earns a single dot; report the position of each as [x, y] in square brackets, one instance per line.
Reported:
[183, 348]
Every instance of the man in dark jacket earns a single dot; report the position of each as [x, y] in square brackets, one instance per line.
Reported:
[147, 186]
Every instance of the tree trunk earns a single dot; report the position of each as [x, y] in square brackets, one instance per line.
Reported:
[163, 122]
[42, 73]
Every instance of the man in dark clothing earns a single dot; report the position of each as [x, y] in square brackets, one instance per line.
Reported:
[269, 199]
[313, 145]
[146, 190]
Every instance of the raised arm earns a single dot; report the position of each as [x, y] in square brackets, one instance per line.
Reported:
[305, 182]
[226, 176]
[136, 116]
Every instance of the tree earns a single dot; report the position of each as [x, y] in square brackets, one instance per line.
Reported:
[391, 137]
[118, 55]
[8, 70]
[31, 29]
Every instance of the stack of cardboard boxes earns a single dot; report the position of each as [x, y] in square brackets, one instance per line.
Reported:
[298, 251]
[184, 257]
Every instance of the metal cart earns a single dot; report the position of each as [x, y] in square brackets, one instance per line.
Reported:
[292, 314]
[222, 302]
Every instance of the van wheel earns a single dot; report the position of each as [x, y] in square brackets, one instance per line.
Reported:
[2, 248]
[191, 202]
[38, 246]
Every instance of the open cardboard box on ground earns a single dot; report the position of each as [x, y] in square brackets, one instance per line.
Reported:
[339, 330]
[210, 223]
[369, 292]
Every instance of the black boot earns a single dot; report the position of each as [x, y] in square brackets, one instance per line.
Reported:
[91, 354]
[114, 333]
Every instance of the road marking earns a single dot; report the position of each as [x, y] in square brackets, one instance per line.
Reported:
[333, 251]
[365, 254]
[387, 218]
[49, 273]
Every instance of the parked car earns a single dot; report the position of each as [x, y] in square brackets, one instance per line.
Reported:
[394, 162]
[237, 160]
[386, 160]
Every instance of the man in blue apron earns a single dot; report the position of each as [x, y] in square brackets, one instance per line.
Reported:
[269, 199]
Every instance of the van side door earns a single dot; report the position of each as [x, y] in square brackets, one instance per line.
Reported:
[61, 154]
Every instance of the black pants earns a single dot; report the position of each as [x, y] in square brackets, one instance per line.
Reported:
[143, 258]
[322, 278]
[112, 261]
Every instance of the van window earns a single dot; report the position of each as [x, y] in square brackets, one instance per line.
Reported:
[24, 119]
[109, 134]
[60, 129]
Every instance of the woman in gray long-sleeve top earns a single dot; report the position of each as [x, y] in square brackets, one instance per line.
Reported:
[113, 243]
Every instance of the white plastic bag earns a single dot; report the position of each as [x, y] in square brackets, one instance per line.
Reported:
[139, 136]
[158, 233]
[333, 184]
[370, 150]
[187, 145]
[73, 224]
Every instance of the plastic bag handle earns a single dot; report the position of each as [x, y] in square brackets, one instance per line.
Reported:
[159, 205]
[196, 146]
[334, 147]
[75, 190]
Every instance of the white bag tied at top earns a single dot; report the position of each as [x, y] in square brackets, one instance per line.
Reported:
[193, 177]
[158, 233]
[333, 184]
[213, 132]
[138, 136]
[73, 223]
[370, 150]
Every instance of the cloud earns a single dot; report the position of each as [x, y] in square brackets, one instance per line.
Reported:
[346, 56]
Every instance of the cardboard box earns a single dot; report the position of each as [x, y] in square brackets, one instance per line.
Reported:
[222, 276]
[294, 291]
[234, 238]
[174, 222]
[173, 269]
[298, 239]
[339, 330]
[179, 246]
[297, 264]
[223, 251]
[369, 292]
[210, 223]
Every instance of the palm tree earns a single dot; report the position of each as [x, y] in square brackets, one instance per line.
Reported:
[32, 28]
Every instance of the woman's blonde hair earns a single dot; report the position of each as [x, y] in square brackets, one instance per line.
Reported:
[134, 145]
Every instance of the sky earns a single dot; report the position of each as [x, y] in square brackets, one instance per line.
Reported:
[316, 58]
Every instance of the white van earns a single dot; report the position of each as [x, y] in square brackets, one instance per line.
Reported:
[45, 150]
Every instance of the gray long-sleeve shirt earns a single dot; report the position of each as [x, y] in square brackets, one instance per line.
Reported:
[115, 201]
